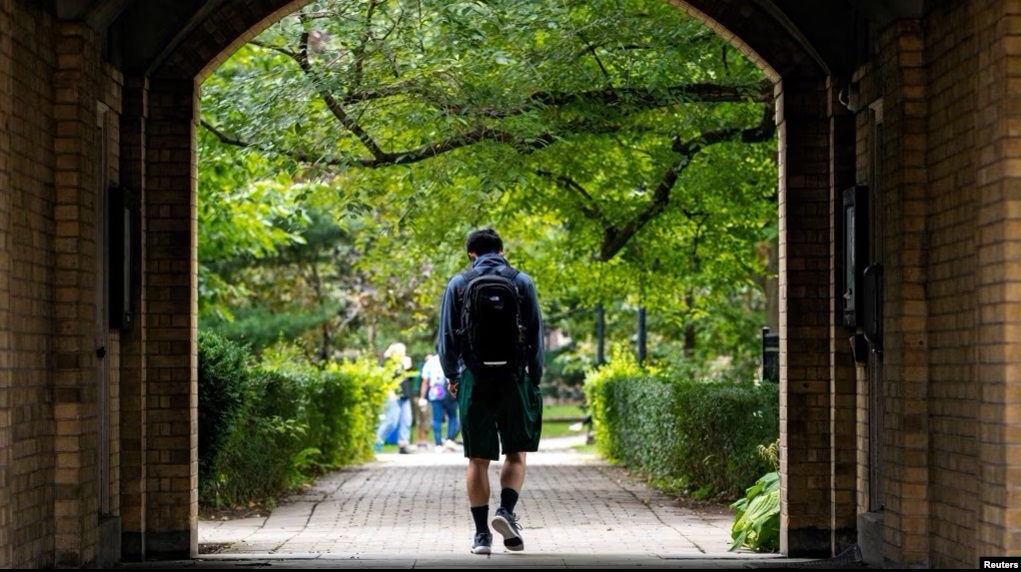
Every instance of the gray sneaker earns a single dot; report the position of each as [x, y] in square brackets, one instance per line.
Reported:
[483, 543]
[506, 523]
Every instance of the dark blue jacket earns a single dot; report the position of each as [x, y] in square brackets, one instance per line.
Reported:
[448, 345]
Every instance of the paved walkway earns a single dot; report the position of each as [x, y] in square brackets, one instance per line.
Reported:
[410, 511]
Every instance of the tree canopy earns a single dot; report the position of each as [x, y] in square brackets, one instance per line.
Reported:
[623, 150]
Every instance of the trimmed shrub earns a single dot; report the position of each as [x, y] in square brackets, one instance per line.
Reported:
[722, 425]
[696, 437]
[276, 426]
[222, 379]
[350, 398]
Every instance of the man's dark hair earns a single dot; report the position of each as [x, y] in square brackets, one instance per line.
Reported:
[484, 241]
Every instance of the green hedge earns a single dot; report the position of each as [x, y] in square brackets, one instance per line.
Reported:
[351, 397]
[223, 378]
[274, 425]
[692, 436]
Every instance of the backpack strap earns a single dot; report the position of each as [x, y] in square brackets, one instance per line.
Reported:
[508, 272]
[468, 274]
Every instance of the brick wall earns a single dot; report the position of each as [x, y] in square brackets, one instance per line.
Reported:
[52, 81]
[26, 420]
[949, 240]
[997, 239]
[903, 250]
[951, 274]
[6, 217]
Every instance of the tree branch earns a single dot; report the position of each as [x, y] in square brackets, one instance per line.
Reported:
[609, 45]
[641, 97]
[359, 50]
[592, 50]
[476, 135]
[612, 45]
[275, 48]
[590, 207]
[333, 105]
[299, 156]
[702, 218]
[479, 134]
[400, 88]
[614, 239]
[644, 98]
[636, 96]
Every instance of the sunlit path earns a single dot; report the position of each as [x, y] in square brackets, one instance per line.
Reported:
[410, 510]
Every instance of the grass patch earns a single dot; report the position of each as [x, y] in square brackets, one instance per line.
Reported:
[563, 412]
[559, 429]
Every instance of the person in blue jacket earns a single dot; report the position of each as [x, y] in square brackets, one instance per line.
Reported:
[494, 412]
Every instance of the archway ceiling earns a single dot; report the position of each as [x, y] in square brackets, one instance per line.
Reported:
[179, 38]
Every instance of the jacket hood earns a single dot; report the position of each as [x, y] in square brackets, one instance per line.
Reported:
[489, 261]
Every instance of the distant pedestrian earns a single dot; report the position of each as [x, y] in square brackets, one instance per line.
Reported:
[397, 410]
[443, 402]
[422, 418]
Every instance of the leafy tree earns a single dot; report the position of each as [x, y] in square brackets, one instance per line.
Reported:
[623, 150]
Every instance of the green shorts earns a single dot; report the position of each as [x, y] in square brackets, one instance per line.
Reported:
[495, 412]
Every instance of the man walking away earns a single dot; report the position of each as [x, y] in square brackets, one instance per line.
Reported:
[491, 350]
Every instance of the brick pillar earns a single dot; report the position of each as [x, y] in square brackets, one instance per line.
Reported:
[27, 413]
[998, 181]
[76, 495]
[906, 435]
[843, 374]
[6, 364]
[171, 298]
[133, 342]
[805, 317]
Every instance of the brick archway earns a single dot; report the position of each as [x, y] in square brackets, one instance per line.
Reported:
[97, 422]
[806, 93]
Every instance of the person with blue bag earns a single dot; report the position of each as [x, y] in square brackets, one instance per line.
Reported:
[443, 403]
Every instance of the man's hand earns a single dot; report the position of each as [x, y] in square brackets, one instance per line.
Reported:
[423, 403]
[452, 386]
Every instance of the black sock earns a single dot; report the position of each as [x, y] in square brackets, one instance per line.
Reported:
[480, 514]
[508, 498]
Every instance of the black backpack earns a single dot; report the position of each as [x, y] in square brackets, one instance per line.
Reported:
[491, 334]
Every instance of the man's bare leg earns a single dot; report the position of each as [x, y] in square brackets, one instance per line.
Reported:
[512, 477]
[477, 478]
